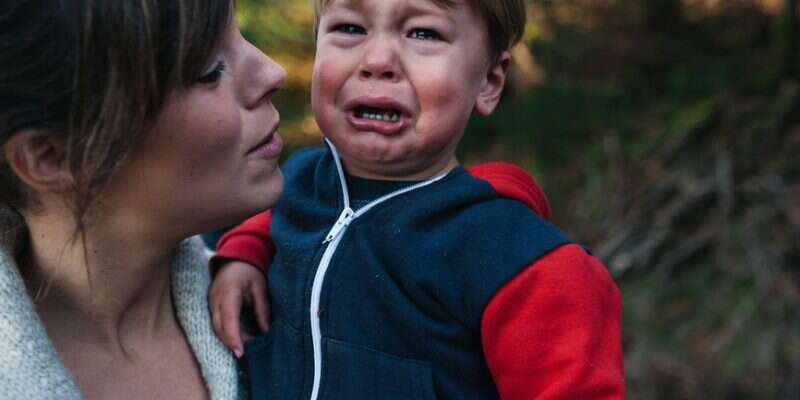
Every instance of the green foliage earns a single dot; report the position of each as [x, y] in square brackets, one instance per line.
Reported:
[277, 25]
[548, 122]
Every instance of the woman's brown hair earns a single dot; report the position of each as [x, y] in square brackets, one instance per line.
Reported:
[98, 73]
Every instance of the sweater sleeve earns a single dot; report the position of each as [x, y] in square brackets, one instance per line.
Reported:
[250, 241]
[553, 332]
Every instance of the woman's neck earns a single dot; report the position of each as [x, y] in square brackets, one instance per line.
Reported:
[108, 288]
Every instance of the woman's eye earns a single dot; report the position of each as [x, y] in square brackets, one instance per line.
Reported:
[213, 75]
[424, 34]
[350, 29]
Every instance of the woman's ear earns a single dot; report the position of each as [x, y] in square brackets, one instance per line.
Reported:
[38, 158]
[492, 89]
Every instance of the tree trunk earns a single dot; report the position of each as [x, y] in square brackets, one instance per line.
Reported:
[663, 15]
[788, 37]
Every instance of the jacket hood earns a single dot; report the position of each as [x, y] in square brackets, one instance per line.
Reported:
[511, 181]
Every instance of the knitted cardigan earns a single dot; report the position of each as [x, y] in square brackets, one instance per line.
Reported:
[31, 369]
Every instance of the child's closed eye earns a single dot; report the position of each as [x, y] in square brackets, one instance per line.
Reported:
[424, 34]
[350, 29]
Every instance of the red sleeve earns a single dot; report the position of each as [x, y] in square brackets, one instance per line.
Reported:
[250, 241]
[553, 332]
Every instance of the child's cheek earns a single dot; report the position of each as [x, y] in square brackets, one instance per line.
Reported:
[327, 80]
[444, 102]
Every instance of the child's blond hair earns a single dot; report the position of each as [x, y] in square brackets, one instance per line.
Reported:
[505, 19]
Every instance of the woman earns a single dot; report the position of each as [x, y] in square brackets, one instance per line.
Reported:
[126, 127]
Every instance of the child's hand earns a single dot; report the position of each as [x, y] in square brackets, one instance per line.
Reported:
[237, 284]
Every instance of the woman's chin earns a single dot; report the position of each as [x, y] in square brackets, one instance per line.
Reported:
[270, 192]
[262, 199]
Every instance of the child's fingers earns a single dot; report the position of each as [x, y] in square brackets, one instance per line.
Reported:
[261, 307]
[214, 306]
[229, 316]
[216, 319]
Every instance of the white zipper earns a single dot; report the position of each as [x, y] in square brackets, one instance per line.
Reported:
[341, 224]
[332, 239]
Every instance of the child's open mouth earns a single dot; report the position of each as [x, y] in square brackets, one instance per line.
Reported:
[386, 120]
[377, 114]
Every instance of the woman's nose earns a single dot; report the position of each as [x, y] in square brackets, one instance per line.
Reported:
[267, 77]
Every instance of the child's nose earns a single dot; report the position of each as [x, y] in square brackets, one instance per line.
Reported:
[380, 61]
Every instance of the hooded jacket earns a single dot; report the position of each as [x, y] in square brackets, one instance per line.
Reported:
[451, 288]
[30, 367]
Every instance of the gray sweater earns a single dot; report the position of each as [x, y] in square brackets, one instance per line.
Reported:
[30, 368]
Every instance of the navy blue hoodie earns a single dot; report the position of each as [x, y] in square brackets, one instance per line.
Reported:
[403, 298]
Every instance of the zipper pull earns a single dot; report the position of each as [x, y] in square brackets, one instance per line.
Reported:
[344, 220]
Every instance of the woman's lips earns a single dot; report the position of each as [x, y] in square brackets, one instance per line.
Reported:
[270, 148]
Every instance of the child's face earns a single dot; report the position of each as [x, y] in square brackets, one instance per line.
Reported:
[395, 82]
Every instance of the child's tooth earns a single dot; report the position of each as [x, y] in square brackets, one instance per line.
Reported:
[389, 115]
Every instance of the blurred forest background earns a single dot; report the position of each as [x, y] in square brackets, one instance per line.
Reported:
[667, 135]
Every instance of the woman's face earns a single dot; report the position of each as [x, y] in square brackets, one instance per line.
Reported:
[211, 158]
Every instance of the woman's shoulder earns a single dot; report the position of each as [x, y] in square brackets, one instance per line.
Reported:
[31, 367]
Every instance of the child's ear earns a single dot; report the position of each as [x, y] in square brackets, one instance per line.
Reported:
[492, 89]
[38, 158]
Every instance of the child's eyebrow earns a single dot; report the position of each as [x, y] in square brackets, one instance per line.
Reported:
[415, 9]
[432, 9]
[408, 9]
[348, 4]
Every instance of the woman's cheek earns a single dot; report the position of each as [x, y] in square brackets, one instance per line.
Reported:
[214, 130]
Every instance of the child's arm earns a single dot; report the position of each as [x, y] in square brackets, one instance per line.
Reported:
[553, 332]
[250, 242]
[238, 269]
